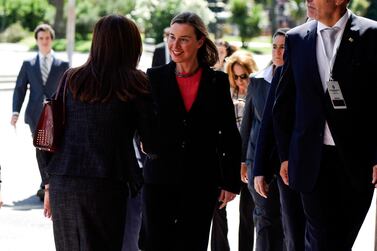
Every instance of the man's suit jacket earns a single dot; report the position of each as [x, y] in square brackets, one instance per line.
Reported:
[30, 74]
[302, 107]
[200, 147]
[159, 57]
[266, 161]
[257, 93]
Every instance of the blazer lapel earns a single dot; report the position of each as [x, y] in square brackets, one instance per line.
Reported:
[203, 88]
[345, 58]
[173, 90]
[37, 70]
[311, 37]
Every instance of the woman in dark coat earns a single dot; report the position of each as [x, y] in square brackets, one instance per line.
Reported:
[199, 142]
[107, 101]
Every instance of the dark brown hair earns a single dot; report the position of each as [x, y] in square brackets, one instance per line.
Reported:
[111, 67]
[45, 28]
[207, 54]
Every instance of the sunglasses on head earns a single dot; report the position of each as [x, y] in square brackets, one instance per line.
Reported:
[242, 76]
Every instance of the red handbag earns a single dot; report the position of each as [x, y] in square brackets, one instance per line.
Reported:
[50, 127]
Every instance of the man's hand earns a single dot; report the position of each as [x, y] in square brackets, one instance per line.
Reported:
[284, 172]
[225, 197]
[13, 120]
[261, 186]
[244, 173]
[374, 176]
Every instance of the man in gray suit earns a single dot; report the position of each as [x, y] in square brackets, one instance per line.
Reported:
[41, 74]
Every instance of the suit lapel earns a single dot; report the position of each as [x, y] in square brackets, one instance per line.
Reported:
[201, 96]
[345, 57]
[311, 37]
[36, 69]
[173, 89]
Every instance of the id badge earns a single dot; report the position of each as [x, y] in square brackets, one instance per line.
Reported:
[336, 95]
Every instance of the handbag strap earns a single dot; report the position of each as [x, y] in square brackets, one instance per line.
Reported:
[62, 82]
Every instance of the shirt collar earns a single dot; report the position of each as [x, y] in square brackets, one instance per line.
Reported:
[48, 55]
[341, 24]
[266, 73]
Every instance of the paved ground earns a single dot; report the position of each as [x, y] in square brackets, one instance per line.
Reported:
[22, 225]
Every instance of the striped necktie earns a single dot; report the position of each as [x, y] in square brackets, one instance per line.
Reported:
[44, 69]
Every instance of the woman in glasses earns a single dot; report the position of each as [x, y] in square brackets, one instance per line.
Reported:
[267, 217]
[239, 65]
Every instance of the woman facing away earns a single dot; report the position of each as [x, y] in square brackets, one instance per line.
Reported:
[198, 138]
[107, 100]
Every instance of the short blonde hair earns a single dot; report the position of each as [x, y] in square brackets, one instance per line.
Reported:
[245, 59]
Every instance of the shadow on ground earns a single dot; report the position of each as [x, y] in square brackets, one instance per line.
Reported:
[33, 202]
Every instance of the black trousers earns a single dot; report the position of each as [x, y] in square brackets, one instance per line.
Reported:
[219, 235]
[267, 217]
[292, 216]
[335, 209]
[178, 217]
[87, 214]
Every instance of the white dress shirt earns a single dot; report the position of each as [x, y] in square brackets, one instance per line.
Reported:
[325, 66]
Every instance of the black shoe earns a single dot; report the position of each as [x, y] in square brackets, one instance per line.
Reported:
[41, 194]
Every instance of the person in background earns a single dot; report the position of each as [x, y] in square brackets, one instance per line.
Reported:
[89, 179]
[324, 121]
[198, 138]
[161, 53]
[267, 216]
[225, 50]
[267, 168]
[239, 66]
[41, 74]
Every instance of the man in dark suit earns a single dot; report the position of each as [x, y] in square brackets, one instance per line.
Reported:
[42, 74]
[323, 120]
[161, 52]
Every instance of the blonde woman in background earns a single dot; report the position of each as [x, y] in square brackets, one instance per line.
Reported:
[239, 66]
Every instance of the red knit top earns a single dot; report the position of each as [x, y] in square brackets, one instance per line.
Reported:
[188, 87]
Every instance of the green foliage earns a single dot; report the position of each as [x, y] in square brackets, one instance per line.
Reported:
[29, 13]
[372, 10]
[14, 33]
[247, 19]
[154, 15]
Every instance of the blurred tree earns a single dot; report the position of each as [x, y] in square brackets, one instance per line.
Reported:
[154, 15]
[371, 12]
[59, 20]
[247, 19]
[29, 13]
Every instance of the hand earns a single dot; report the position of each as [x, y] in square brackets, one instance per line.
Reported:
[13, 120]
[284, 172]
[261, 186]
[244, 178]
[1, 201]
[225, 197]
[46, 203]
[374, 176]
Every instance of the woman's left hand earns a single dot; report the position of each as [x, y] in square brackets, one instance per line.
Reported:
[225, 197]
[46, 203]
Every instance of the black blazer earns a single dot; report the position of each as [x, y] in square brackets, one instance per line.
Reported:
[266, 161]
[98, 139]
[30, 74]
[199, 147]
[302, 107]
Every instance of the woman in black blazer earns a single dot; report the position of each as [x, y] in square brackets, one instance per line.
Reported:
[107, 100]
[199, 142]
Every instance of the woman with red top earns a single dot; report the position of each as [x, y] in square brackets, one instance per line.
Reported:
[199, 142]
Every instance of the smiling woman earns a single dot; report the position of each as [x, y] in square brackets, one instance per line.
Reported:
[196, 127]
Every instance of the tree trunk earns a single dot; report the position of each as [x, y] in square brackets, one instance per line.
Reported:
[59, 24]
